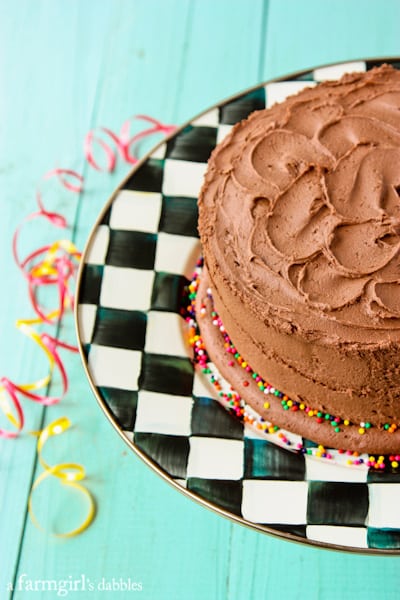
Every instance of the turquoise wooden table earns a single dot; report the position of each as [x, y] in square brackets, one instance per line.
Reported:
[66, 67]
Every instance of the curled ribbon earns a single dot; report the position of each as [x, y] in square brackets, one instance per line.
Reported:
[56, 264]
[7, 393]
[110, 154]
[67, 473]
[11, 391]
[127, 141]
[65, 177]
[122, 142]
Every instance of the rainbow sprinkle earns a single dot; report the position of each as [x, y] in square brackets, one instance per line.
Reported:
[235, 404]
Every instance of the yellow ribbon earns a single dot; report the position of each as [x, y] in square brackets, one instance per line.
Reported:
[68, 474]
[45, 268]
[6, 408]
[24, 325]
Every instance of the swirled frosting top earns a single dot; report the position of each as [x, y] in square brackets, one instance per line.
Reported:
[300, 209]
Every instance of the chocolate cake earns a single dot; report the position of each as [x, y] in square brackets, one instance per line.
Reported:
[299, 219]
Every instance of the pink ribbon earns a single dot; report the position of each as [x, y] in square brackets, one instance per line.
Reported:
[56, 264]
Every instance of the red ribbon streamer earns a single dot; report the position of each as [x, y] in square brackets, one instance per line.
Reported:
[122, 142]
[56, 264]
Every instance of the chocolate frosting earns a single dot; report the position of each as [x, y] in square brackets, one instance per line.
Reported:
[299, 218]
[306, 194]
[375, 441]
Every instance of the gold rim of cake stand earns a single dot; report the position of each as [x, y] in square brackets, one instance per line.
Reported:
[146, 459]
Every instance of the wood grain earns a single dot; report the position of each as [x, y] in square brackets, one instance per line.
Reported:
[65, 68]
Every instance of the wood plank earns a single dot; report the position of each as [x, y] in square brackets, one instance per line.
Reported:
[222, 53]
[30, 145]
[136, 524]
[136, 60]
[302, 35]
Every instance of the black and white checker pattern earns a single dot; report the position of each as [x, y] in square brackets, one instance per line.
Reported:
[136, 267]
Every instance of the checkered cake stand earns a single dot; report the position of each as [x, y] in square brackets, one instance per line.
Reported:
[138, 260]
